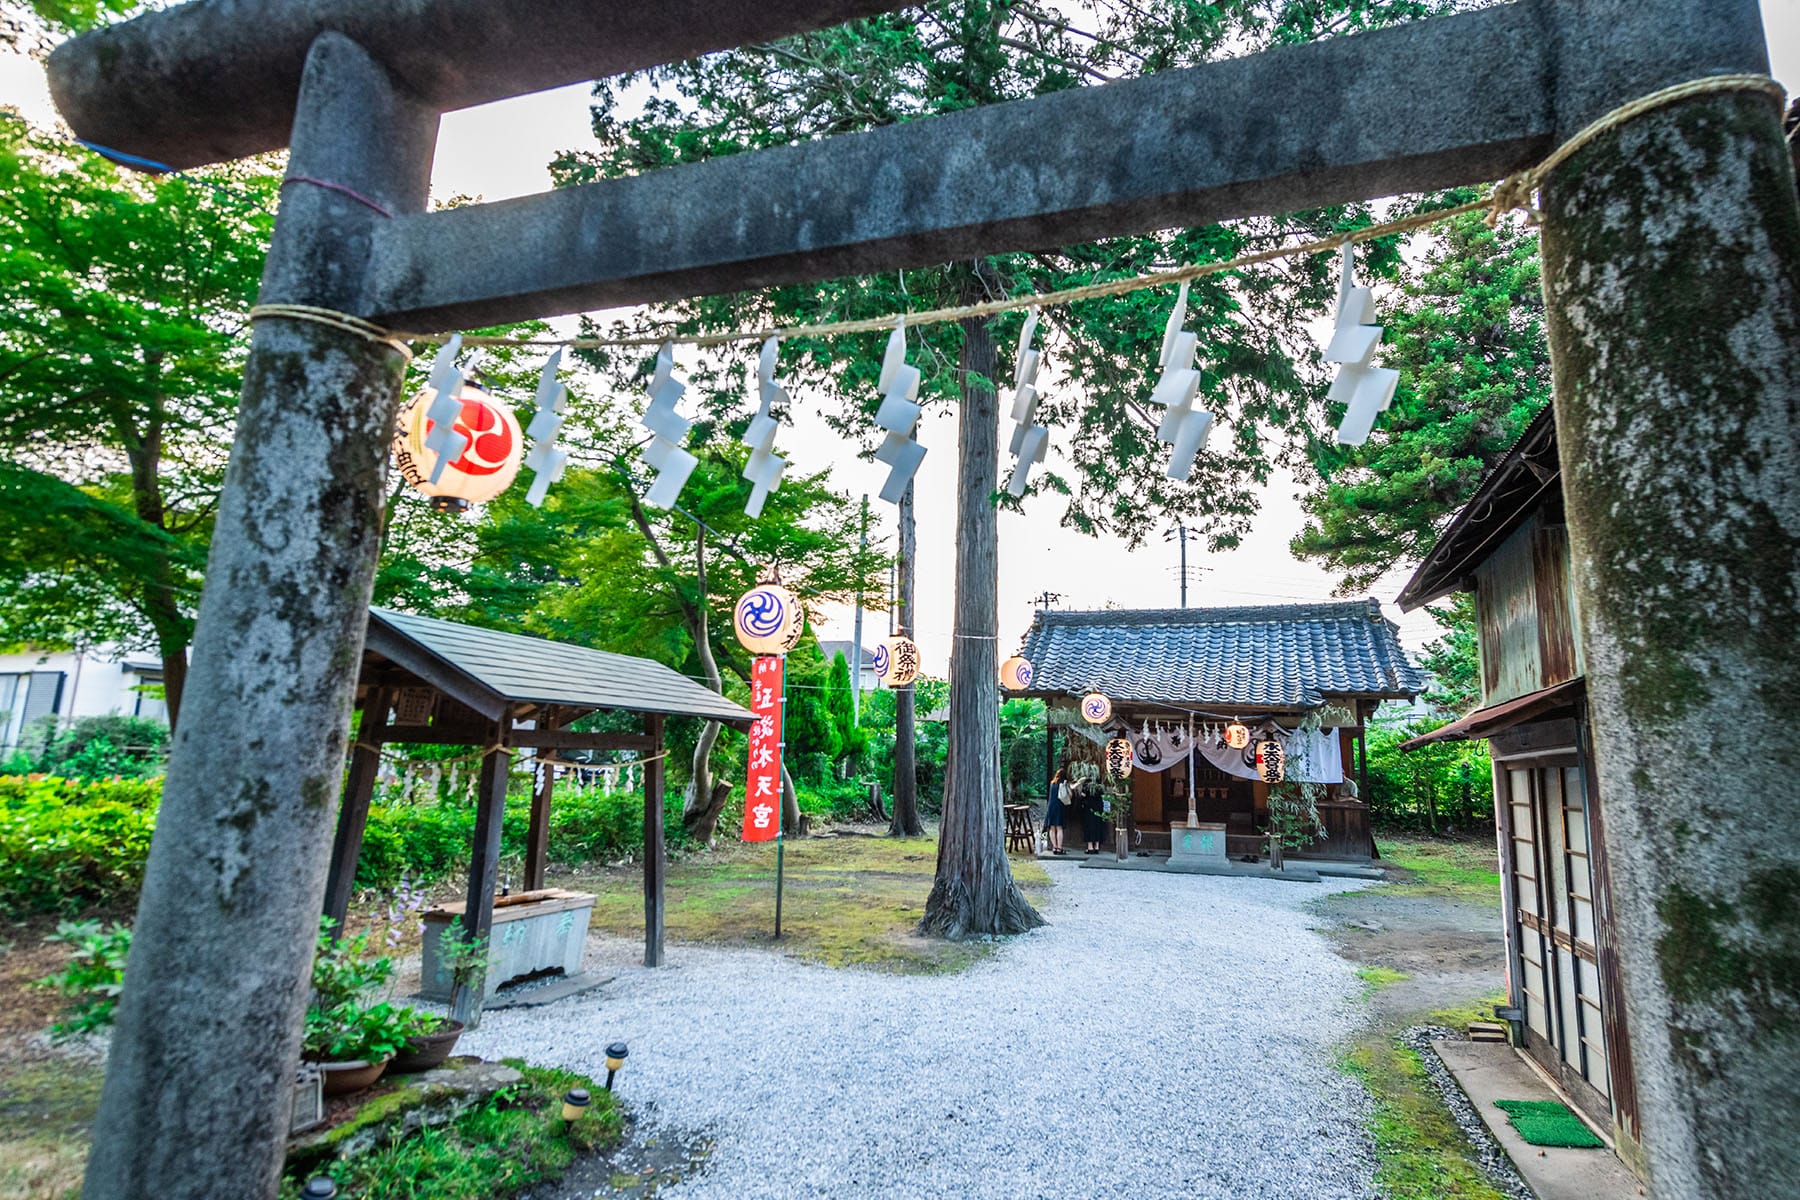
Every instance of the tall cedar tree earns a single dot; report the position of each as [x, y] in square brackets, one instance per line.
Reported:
[1260, 372]
[121, 354]
[1466, 332]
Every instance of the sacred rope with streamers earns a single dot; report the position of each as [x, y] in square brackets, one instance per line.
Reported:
[1515, 192]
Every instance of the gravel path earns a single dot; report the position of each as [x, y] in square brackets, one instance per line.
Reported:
[1165, 1036]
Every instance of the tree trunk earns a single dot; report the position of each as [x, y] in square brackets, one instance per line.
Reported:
[790, 803]
[974, 892]
[1672, 273]
[700, 804]
[905, 821]
[196, 1104]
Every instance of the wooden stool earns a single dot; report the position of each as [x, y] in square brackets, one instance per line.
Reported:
[1021, 835]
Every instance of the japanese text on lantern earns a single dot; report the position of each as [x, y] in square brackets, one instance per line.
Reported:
[762, 782]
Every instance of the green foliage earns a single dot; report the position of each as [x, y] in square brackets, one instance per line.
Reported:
[342, 972]
[1454, 660]
[357, 1032]
[1022, 750]
[840, 708]
[511, 1141]
[1466, 333]
[94, 977]
[121, 357]
[1444, 785]
[931, 743]
[105, 747]
[1261, 372]
[68, 844]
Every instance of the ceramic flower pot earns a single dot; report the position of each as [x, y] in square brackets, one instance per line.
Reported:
[426, 1051]
[342, 1078]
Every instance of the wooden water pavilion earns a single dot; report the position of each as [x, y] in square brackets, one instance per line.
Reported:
[1268, 663]
[425, 681]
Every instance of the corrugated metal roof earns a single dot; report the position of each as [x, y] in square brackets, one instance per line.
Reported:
[1273, 656]
[535, 670]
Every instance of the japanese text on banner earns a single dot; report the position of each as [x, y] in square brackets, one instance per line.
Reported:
[762, 782]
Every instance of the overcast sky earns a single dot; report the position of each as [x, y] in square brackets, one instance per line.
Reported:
[501, 150]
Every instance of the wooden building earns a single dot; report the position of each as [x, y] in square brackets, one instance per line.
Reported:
[1269, 665]
[1510, 547]
[426, 681]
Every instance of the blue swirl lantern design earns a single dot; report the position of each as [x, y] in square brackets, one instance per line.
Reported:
[1015, 673]
[1096, 709]
[768, 619]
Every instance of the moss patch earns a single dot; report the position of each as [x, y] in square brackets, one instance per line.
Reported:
[513, 1140]
[1422, 1154]
[1459, 868]
[46, 1111]
[848, 901]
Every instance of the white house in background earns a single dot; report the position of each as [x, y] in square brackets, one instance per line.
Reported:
[866, 681]
[70, 684]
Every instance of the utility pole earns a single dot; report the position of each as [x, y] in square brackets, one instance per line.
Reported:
[856, 643]
[1181, 531]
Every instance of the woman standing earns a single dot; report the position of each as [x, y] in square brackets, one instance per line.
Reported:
[1053, 812]
[1092, 807]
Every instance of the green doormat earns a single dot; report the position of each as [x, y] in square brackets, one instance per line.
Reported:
[1548, 1123]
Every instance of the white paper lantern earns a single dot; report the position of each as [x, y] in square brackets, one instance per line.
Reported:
[768, 619]
[1096, 709]
[1015, 673]
[897, 662]
[492, 446]
[1118, 758]
[1237, 736]
[1270, 764]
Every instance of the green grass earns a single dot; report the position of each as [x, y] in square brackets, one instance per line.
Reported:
[1460, 868]
[847, 901]
[1378, 977]
[1458, 1017]
[513, 1140]
[1421, 1153]
[45, 1114]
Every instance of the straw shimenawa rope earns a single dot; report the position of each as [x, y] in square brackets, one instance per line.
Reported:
[1515, 192]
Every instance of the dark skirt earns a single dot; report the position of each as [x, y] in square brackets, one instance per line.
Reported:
[1093, 825]
[1053, 812]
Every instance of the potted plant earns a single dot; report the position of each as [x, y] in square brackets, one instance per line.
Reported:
[352, 1043]
[429, 1041]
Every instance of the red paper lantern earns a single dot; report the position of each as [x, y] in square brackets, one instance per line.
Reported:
[489, 460]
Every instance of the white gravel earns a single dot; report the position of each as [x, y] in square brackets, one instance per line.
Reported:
[1166, 1036]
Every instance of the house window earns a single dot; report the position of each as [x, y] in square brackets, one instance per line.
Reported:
[147, 704]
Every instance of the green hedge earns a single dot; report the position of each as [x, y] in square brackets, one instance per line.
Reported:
[67, 845]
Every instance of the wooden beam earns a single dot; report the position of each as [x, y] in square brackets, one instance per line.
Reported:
[1484, 94]
[522, 739]
[447, 678]
[353, 810]
[484, 860]
[655, 853]
[537, 835]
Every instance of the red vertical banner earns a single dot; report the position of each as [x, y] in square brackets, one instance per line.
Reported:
[762, 782]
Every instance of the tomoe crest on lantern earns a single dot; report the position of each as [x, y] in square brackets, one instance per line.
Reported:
[1096, 709]
[1237, 736]
[492, 448]
[897, 662]
[1015, 673]
[1270, 760]
[1118, 757]
[768, 619]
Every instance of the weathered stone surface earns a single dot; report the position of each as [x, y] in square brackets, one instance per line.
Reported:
[1672, 275]
[1452, 101]
[214, 80]
[435, 1097]
[225, 923]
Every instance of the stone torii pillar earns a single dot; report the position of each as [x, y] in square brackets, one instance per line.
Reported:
[1669, 267]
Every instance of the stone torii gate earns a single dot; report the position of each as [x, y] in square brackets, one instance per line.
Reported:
[1672, 276]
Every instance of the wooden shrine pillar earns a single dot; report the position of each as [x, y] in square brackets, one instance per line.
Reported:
[484, 861]
[353, 811]
[655, 856]
[537, 837]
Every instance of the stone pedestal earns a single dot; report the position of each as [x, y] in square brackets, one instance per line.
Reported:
[1202, 843]
[542, 931]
